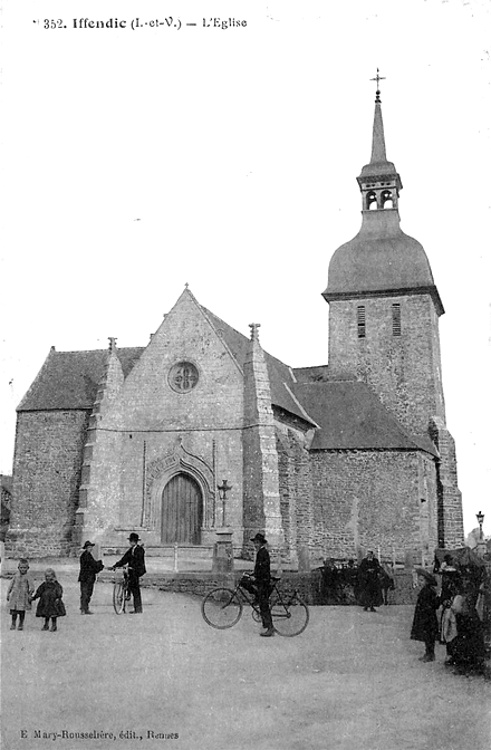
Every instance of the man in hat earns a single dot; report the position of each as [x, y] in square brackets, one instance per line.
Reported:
[134, 558]
[89, 568]
[425, 624]
[261, 577]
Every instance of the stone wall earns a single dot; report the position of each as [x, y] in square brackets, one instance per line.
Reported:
[47, 468]
[403, 370]
[373, 500]
[305, 584]
[450, 516]
[162, 431]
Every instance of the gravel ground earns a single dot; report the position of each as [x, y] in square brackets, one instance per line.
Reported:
[351, 680]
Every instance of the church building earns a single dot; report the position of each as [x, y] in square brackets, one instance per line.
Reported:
[333, 459]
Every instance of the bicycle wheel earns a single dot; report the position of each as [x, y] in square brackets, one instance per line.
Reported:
[290, 617]
[118, 597]
[221, 608]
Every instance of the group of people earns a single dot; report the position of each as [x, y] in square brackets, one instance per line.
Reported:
[50, 607]
[451, 618]
[367, 584]
[20, 594]
[134, 558]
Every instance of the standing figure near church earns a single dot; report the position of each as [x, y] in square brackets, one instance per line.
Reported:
[89, 568]
[450, 576]
[386, 582]
[466, 649]
[261, 577]
[425, 623]
[369, 583]
[134, 558]
[50, 605]
[19, 594]
[330, 582]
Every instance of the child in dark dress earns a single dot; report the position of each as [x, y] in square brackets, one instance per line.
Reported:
[50, 603]
[425, 623]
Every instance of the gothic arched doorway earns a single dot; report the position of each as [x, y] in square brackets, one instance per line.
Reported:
[182, 511]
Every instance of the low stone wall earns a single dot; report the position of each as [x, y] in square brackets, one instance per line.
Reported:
[199, 583]
[307, 585]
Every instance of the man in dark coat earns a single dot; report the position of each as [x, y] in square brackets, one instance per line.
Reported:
[134, 558]
[262, 580]
[89, 568]
[425, 624]
[369, 582]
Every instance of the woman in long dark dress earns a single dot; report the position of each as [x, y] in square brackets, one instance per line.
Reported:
[425, 623]
[467, 649]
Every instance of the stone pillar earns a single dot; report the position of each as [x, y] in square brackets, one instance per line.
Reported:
[450, 517]
[98, 492]
[223, 556]
[261, 475]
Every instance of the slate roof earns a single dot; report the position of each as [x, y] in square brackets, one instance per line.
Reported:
[348, 414]
[311, 374]
[69, 380]
[351, 417]
[280, 375]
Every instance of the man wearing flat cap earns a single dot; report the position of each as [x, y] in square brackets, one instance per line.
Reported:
[134, 558]
[89, 568]
[261, 577]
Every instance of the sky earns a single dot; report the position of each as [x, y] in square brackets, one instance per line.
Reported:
[138, 160]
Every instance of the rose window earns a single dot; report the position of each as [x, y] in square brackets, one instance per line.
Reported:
[183, 377]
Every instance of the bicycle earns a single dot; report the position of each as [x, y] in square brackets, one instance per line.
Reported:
[222, 608]
[121, 592]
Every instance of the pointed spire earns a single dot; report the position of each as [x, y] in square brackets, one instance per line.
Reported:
[379, 181]
[378, 139]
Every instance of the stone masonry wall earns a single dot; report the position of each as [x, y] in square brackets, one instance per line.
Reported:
[261, 499]
[372, 500]
[153, 419]
[405, 370]
[450, 517]
[46, 477]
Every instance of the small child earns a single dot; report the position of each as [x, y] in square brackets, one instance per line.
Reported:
[425, 623]
[50, 603]
[19, 594]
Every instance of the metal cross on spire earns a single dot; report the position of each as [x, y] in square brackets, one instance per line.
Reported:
[378, 78]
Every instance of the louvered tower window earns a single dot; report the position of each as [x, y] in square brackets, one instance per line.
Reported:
[396, 319]
[360, 320]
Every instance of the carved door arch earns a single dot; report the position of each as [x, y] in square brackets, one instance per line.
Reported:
[182, 510]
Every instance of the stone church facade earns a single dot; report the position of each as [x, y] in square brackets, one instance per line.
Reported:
[334, 459]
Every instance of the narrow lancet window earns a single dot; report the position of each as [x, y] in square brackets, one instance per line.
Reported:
[396, 319]
[360, 319]
[371, 204]
[387, 200]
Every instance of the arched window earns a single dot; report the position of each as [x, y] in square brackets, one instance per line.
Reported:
[387, 199]
[371, 204]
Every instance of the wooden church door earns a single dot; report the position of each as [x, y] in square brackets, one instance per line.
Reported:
[182, 511]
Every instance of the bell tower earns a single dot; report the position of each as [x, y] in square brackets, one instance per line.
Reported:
[383, 303]
[384, 311]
